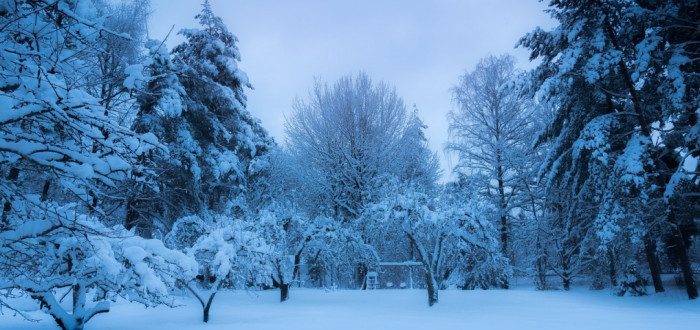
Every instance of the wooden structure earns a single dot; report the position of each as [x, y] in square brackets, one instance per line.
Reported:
[372, 281]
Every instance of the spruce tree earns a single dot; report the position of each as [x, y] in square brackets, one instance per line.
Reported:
[194, 102]
[617, 72]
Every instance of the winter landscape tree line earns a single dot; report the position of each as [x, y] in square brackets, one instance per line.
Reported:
[129, 170]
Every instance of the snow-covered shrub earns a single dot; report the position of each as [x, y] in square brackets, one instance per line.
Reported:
[484, 270]
[599, 282]
[480, 264]
[445, 234]
[45, 258]
[632, 282]
[185, 232]
[234, 256]
[288, 233]
[338, 254]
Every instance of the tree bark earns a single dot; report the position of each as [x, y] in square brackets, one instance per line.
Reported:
[362, 275]
[566, 281]
[611, 267]
[650, 251]
[541, 264]
[296, 274]
[432, 288]
[207, 307]
[12, 176]
[45, 190]
[284, 292]
[78, 304]
[131, 214]
[686, 268]
[661, 181]
[503, 216]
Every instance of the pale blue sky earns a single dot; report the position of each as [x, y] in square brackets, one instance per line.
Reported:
[420, 47]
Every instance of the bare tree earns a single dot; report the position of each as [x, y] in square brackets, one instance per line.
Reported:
[348, 134]
[489, 132]
[347, 141]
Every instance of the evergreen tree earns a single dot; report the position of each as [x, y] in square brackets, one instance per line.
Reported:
[196, 105]
[64, 154]
[617, 72]
[162, 102]
[418, 164]
[228, 140]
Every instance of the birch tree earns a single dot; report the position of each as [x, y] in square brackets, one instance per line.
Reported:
[489, 133]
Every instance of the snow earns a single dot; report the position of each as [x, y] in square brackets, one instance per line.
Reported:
[521, 308]
[594, 137]
[134, 75]
[630, 165]
[675, 75]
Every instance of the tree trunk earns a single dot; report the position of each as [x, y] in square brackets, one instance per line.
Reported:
[504, 239]
[566, 282]
[296, 274]
[284, 292]
[541, 261]
[661, 181]
[432, 288]
[12, 176]
[362, 275]
[503, 216]
[611, 269]
[79, 317]
[45, 190]
[686, 269]
[650, 251]
[541, 264]
[131, 214]
[78, 306]
[207, 307]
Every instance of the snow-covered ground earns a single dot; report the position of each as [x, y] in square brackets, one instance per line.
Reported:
[521, 308]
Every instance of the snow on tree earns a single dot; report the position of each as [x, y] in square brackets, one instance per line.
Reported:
[337, 254]
[233, 256]
[444, 235]
[109, 73]
[63, 154]
[419, 164]
[220, 143]
[530, 252]
[288, 233]
[632, 282]
[90, 262]
[217, 162]
[349, 133]
[217, 159]
[52, 131]
[480, 262]
[490, 134]
[347, 140]
[119, 51]
[162, 102]
[628, 64]
[185, 232]
[330, 248]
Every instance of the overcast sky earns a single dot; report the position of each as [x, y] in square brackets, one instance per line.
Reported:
[420, 47]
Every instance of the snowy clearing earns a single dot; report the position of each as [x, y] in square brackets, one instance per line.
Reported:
[522, 308]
